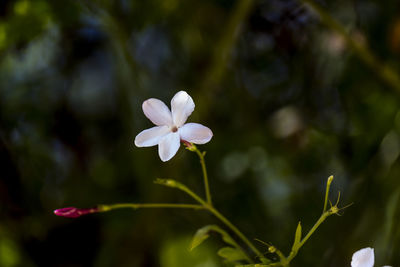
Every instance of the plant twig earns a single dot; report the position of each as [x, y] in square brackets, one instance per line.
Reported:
[204, 170]
[148, 205]
[216, 213]
[382, 70]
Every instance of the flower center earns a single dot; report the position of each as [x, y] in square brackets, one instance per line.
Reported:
[174, 129]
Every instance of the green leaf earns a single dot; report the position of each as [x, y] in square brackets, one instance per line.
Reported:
[231, 254]
[199, 237]
[297, 237]
[203, 233]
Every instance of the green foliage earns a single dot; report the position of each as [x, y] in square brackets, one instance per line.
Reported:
[203, 233]
[9, 254]
[231, 254]
[174, 252]
[288, 101]
[297, 238]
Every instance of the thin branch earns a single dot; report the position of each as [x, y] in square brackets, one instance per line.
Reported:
[382, 70]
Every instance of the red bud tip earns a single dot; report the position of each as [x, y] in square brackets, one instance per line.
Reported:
[188, 145]
[72, 212]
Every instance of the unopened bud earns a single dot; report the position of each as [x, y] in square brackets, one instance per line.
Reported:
[72, 212]
[189, 146]
[330, 179]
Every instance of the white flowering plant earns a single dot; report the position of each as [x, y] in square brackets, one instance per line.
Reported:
[169, 132]
[364, 258]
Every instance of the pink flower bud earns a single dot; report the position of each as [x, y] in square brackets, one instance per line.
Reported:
[72, 212]
[188, 145]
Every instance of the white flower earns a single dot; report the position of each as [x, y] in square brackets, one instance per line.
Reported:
[171, 127]
[364, 258]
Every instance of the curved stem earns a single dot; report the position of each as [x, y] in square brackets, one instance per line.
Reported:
[235, 230]
[321, 219]
[210, 207]
[184, 188]
[205, 176]
[312, 230]
[383, 71]
[216, 213]
[104, 208]
[283, 260]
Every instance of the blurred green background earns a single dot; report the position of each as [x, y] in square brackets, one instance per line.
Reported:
[288, 100]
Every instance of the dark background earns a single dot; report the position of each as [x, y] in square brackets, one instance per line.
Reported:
[288, 100]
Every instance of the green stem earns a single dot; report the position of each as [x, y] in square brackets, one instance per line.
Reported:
[283, 260]
[184, 188]
[216, 213]
[205, 176]
[213, 210]
[328, 186]
[105, 208]
[148, 205]
[325, 214]
[321, 219]
[384, 71]
[235, 230]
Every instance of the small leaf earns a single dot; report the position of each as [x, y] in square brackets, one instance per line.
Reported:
[199, 237]
[231, 254]
[203, 233]
[297, 237]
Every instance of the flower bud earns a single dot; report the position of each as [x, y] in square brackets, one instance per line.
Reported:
[330, 179]
[189, 146]
[72, 212]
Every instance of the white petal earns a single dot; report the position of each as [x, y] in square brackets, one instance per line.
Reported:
[156, 111]
[168, 146]
[151, 137]
[182, 106]
[195, 133]
[363, 258]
